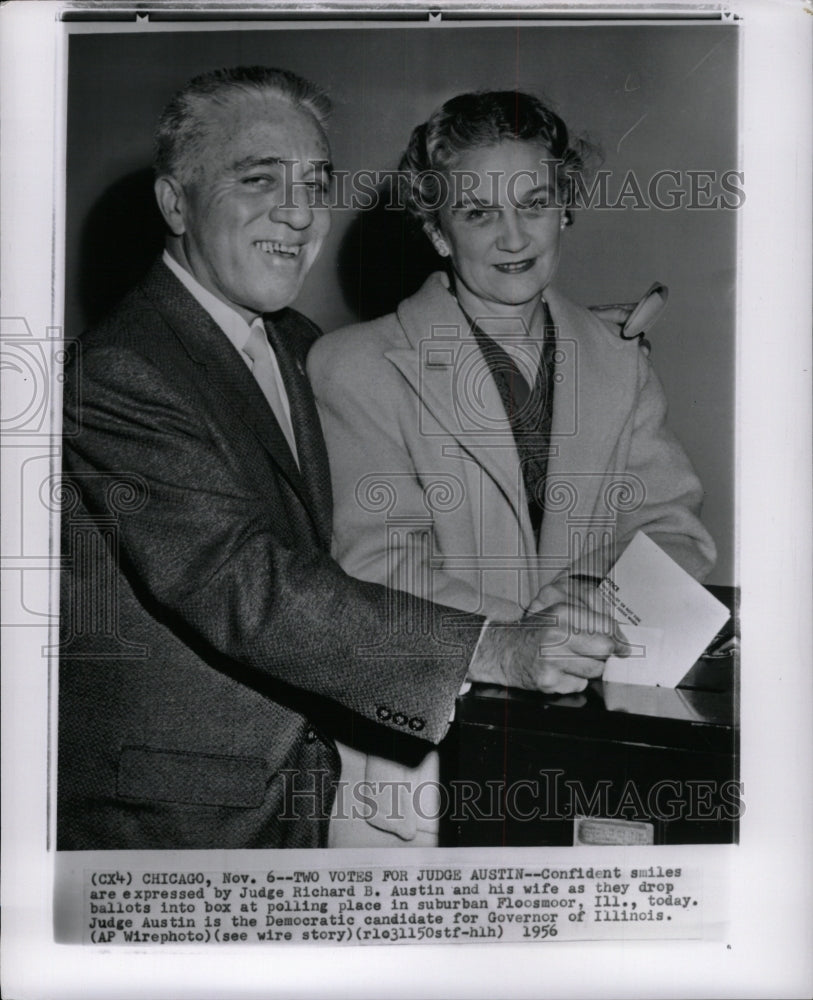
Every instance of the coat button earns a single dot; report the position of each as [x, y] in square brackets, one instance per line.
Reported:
[310, 735]
[399, 719]
[383, 713]
[416, 724]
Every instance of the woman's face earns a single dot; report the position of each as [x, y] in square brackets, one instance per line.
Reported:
[501, 225]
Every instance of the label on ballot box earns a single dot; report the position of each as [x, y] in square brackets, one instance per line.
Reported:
[593, 830]
[667, 617]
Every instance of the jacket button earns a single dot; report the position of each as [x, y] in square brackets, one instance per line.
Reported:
[310, 735]
[416, 724]
[383, 713]
[399, 719]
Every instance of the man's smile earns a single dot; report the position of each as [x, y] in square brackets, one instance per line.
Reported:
[289, 250]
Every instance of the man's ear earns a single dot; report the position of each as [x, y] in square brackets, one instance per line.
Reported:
[172, 203]
[437, 241]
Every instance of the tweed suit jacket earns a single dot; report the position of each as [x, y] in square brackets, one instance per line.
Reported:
[210, 647]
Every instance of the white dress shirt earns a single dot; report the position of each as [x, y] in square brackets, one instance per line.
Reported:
[237, 331]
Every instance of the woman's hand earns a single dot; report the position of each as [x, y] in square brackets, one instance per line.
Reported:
[619, 313]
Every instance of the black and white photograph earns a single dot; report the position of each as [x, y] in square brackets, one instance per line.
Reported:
[409, 531]
[295, 597]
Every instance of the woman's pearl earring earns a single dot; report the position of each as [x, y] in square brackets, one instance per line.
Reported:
[437, 242]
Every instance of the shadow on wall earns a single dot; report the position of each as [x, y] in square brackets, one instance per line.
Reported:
[383, 258]
[120, 238]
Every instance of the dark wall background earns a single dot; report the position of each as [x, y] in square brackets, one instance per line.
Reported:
[654, 97]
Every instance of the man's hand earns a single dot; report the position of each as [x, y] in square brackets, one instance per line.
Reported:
[579, 590]
[556, 651]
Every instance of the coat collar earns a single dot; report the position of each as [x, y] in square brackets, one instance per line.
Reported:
[596, 389]
[227, 373]
[595, 371]
[451, 378]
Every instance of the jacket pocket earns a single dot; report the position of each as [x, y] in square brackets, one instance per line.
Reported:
[191, 778]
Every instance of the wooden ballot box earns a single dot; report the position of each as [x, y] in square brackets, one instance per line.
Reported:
[616, 764]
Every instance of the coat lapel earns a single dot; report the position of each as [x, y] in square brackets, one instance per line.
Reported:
[225, 372]
[595, 390]
[451, 378]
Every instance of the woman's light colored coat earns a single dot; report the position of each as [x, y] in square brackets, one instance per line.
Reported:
[428, 490]
[427, 484]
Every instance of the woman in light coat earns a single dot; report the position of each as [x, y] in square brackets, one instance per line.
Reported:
[493, 445]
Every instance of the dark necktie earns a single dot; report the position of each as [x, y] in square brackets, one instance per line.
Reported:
[262, 368]
[310, 443]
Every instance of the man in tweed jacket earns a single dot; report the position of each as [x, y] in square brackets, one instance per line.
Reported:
[211, 649]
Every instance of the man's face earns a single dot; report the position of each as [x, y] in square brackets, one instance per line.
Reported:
[254, 213]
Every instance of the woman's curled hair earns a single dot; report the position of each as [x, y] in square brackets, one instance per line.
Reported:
[477, 120]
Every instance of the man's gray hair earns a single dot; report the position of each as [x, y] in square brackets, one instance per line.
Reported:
[183, 125]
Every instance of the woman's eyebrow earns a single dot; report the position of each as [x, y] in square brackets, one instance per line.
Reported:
[469, 200]
[547, 190]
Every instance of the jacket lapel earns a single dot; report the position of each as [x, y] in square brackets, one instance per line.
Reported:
[595, 390]
[224, 370]
[451, 378]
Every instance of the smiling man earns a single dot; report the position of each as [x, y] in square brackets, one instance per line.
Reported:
[248, 214]
[211, 647]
